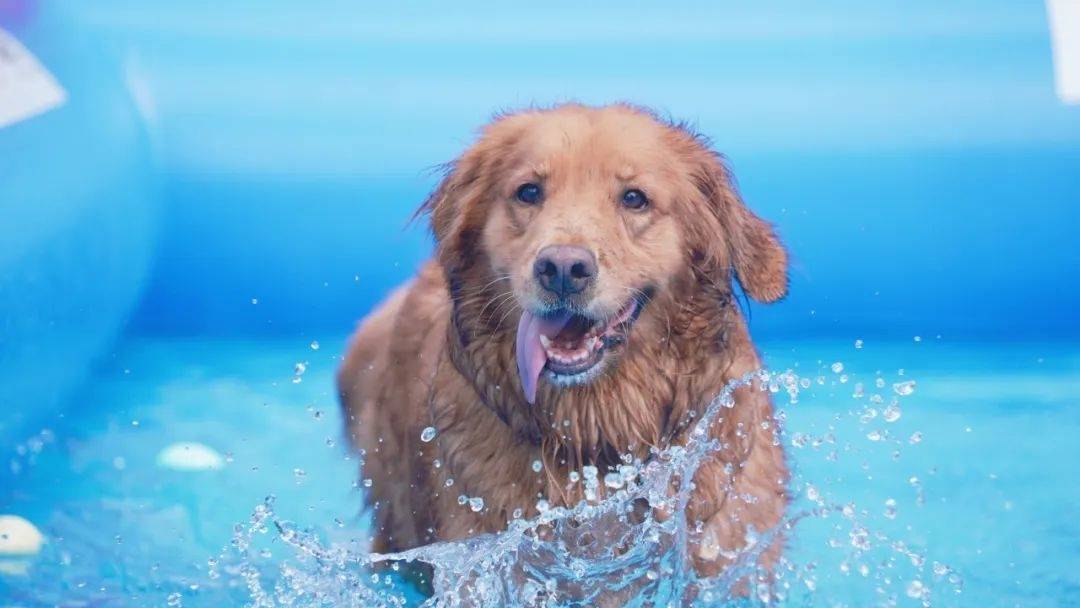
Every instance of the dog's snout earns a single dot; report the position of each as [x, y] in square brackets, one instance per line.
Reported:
[565, 269]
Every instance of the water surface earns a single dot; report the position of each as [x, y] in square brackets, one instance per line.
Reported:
[966, 490]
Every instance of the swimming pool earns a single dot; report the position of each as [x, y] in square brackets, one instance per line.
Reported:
[975, 477]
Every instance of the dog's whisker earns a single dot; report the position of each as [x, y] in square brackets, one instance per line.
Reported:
[470, 291]
[503, 301]
[500, 298]
[514, 306]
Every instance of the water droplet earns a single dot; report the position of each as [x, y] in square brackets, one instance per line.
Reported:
[890, 508]
[427, 434]
[916, 590]
[891, 413]
[860, 539]
[367, 483]
[837, 367]
[449, 482]
[916, 437]
[537, 466]
[476, 504]
[858, 344]
[254, 300]
[812, 493]
[904, 388]
[917, 338]
[462, 499]
[314, 345]
[613, 480]
[874, 435]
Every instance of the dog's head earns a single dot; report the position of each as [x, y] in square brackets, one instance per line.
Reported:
[570, 220]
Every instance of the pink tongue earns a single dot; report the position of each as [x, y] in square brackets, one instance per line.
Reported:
[530, 354]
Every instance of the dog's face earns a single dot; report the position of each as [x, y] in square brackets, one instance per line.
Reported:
[577, 217]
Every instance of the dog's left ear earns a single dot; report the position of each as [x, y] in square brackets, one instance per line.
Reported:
[747, 244]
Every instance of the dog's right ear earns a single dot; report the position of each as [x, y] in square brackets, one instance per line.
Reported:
[452, 210]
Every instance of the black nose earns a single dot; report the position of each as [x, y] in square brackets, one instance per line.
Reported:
[565, 269]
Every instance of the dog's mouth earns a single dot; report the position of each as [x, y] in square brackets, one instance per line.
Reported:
[568, 345]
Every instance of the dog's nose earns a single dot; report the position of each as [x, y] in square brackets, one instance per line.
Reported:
[565, 269]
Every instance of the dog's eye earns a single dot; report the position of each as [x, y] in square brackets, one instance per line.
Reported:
[530, 194]
[635, 199]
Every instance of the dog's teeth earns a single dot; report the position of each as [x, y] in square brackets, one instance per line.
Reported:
[545, 341]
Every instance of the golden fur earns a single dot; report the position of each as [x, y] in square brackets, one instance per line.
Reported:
[440, 351]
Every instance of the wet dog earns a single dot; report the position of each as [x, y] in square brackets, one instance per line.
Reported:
[580, 309]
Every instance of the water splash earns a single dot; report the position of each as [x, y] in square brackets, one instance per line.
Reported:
[616, 551]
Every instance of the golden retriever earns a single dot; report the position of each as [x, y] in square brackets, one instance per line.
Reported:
[579, 307]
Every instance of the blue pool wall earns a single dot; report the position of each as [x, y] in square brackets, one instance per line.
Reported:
[249, 169]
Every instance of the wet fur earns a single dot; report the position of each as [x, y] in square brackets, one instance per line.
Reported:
[440, 351]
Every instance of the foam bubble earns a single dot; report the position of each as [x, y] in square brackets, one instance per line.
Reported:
[19, 537]
[190, 456]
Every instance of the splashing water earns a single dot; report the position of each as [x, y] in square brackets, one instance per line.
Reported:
[599, 552]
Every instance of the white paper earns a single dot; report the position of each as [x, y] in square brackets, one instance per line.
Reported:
[26, 87]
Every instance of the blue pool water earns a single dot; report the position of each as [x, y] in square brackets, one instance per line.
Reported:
[984, 495]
